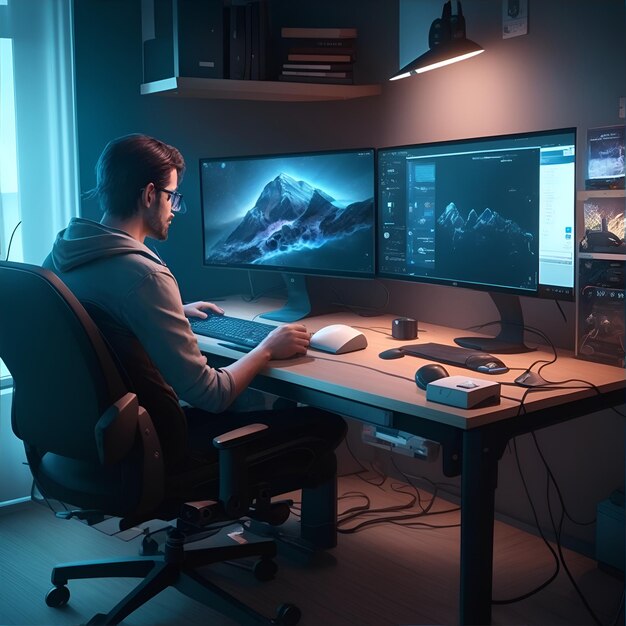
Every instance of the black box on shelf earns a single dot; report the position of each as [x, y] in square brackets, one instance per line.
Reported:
[238, 61]
[247, 40]
[600, 314]
[182, 38]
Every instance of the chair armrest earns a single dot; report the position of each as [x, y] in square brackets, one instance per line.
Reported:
[233, 467]
[239, 436]
[116, 429]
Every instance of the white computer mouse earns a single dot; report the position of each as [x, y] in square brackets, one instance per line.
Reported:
[338, 339]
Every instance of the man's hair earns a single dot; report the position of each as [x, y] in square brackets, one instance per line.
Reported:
[127, 165]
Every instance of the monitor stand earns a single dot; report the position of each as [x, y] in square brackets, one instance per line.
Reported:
[510, 339]
[298, 303]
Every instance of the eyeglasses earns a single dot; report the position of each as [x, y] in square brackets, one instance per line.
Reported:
[178, 206]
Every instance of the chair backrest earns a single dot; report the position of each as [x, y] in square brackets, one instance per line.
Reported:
[70, 400]
[64, 376]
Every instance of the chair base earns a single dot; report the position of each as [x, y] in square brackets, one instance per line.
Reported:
[175, 568]
[317, 528]
[319, 514]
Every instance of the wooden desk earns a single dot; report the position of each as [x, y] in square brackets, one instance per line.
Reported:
[358, 385]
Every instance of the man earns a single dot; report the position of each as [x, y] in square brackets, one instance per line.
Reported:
[135, 301]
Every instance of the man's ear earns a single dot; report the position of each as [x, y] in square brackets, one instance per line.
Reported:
[148, 194]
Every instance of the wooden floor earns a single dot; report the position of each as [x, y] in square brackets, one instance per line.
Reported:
[384, 575]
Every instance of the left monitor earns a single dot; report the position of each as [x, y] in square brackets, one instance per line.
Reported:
[304, 213]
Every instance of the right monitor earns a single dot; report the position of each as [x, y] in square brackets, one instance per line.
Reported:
[492, 213]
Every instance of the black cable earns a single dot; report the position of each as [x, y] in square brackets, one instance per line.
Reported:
[356, 512]
[425, 524]
[560, 308]
[557, 563]
[558, 490]
[363, 468]
[354, 494]
[296, 508]
[380, 475]
[425, 510]
[417, 491]
[620, 609]
[385, 509]
[382, 331]
[365, 367]
[550, 477]
[395, 518]
[530, 329]
[11, 240]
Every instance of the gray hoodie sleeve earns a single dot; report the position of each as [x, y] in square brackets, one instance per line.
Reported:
[154, 311]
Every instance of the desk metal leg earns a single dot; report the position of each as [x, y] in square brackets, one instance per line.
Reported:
[479, 477]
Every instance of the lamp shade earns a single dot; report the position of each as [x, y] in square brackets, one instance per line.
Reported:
[448, 44]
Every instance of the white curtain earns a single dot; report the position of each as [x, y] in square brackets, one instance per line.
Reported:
[45, 123]
[38, 165]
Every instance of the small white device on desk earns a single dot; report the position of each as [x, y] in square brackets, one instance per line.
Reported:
[463, 392]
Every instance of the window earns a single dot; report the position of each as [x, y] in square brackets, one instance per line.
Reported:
[9, 209]
[38, 164]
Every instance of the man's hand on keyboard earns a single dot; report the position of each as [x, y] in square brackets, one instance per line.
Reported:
[196, 309]
[286, 341]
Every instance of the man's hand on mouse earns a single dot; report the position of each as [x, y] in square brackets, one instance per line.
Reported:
[197, 309]
[286, 341]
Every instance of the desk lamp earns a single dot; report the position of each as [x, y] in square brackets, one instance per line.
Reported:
[447, 43]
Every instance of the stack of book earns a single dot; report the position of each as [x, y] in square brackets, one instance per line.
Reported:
[318, 55]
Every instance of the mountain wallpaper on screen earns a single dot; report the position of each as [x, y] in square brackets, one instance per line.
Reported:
[487, 245]
[290, 216]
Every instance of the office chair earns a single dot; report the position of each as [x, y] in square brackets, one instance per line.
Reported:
[89, 443]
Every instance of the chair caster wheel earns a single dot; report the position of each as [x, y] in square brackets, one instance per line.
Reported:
[58, 596]
[287, 615]
[264, 569]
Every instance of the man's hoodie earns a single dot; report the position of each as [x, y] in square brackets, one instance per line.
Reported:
[108, 268]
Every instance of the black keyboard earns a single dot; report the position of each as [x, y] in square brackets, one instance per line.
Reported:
[233, 329]
[455, 355]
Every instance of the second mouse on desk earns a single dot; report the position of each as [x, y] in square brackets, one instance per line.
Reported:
[428, 373]
[338, 339]
[486, 363]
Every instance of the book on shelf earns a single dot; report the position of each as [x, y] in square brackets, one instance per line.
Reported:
[320, 74]
[318, 33]
[316, 79]
[312, 46]
[319, 67]
[304, 50]
[322, 58]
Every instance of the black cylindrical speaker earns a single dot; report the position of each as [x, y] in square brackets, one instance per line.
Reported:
[404, 328]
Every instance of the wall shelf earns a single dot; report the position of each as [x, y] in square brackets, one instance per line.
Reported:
[587, 194]
[225, 89]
